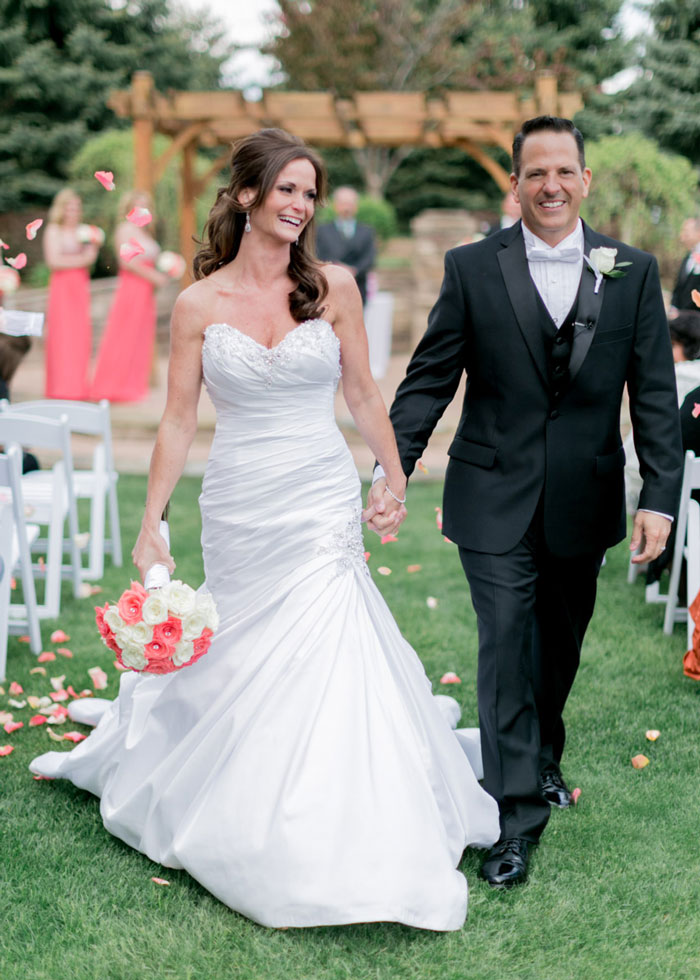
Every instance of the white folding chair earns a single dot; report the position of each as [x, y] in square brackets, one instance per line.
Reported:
[692, 559]
[15, 539]
[50, 496]
[99, 484]
[691, 481]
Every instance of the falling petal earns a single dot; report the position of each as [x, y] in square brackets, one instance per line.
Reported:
[652, 734]
[58, 636]
[450, 678]
[46, 656]
[383, 570]
[37, 720]
[413, 568]
[431, 602]
[33, 227]
[438, 517]
[6, 749]
[16, 688]
[422, 467]
[12, 726]
[19, 261]
[388, 538]
[106, 178]
[575, 793]
[639, 761]
[3, 244]
[160, 881]
[38, 670]
[139, 217]
[129, 250]
[74, 736]
[694, 294]
[65, 652]
[696, 410]
[98, 678]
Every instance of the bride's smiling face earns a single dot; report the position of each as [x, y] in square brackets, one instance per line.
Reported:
[290, 205]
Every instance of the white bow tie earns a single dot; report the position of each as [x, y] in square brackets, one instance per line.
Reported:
[570, 254]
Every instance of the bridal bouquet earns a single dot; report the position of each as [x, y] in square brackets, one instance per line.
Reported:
[171, 264]
[90, 235]
[158, 630]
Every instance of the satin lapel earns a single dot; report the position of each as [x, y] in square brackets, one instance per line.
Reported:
[521, 292]
[588, 309]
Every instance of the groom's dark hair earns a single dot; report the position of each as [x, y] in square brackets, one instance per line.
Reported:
[540, 123]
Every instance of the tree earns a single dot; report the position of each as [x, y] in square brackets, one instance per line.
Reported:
[58, 62]
[665, 102]
[344, 46]
[640, 194]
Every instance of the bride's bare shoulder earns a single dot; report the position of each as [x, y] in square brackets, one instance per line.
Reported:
[192, 310]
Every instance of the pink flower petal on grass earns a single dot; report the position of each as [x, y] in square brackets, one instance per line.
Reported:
[639, 761]
[575, 793]
[33, 227]
[59, 695]
[16, 688]
[45, 657]
[6, 749]
[696, 410]
[18, 262]
[38, 670]
[57, 682]
[160, 881]
[129, 250]
[367, 555]
[44, 779]
[411, 569]
[431, 602]
[450, 678]
[37, 720]
[98, 678]
[65, 652]
[12, 726]
[389, 538]
[139, 217]
[383, 570]
[58, 636]
[106, 178]
[58, 711]
[652, 734]
[74, 736]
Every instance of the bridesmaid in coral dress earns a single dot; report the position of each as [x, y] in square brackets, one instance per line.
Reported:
[68, 330]
[126, 350]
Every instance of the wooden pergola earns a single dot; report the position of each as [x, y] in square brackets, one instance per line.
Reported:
[471, 121]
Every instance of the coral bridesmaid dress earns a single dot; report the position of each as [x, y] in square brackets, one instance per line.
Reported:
[126, 349]
[68, 334]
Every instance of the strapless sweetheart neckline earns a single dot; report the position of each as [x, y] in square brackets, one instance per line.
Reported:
[242, 333]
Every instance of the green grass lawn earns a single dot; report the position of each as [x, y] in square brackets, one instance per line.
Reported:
[614, 888]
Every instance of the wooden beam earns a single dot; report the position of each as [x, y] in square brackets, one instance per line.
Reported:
[141, 99]
[188, 220]
[187, 135]
[490, 165]
[216, 167]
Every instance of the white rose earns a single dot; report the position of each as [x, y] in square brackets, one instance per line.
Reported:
[603, 259]
[113, 619]
[155, 609]
[133, 657]
[179, 597]
[207, 607]
[193, 624]
[184, 651]
[137, 635]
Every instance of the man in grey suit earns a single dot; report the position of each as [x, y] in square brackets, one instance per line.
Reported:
[345, 241]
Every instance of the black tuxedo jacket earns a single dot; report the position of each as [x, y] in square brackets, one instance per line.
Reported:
[514, 445]
[358, 251]
[686, 282]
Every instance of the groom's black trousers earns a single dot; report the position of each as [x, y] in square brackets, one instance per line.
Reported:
[532, 611]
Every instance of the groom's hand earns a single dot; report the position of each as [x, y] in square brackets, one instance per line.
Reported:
[651, 532]
[383, 514]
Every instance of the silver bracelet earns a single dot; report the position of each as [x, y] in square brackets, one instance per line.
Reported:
[392, 494]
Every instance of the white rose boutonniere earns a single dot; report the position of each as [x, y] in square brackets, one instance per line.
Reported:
[602, 262]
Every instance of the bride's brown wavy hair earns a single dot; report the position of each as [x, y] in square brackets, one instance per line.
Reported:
[256, 162]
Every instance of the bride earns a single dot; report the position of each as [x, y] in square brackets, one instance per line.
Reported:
[302, 770]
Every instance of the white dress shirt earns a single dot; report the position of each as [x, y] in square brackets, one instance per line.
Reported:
[557, 281]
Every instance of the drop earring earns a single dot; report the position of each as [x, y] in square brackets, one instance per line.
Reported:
[247, 222]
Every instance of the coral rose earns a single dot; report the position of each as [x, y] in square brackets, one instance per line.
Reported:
[130, 605]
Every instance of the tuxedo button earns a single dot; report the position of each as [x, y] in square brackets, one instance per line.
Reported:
[558, 339]
[554, 415]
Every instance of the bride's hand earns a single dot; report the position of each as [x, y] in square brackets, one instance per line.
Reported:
[383, 513]
[150, 549]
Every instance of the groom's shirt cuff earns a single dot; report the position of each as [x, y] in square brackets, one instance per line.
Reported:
[645, 510]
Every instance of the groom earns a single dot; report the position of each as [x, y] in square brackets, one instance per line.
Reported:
[549, 320]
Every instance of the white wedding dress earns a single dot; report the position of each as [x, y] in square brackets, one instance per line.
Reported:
[301, 770]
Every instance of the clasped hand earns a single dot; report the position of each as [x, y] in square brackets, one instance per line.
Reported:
[383, 514]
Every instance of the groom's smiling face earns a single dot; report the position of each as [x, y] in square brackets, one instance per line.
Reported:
[550, 185]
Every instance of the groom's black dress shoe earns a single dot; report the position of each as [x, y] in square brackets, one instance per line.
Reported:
[554, 789]
[505, 864]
